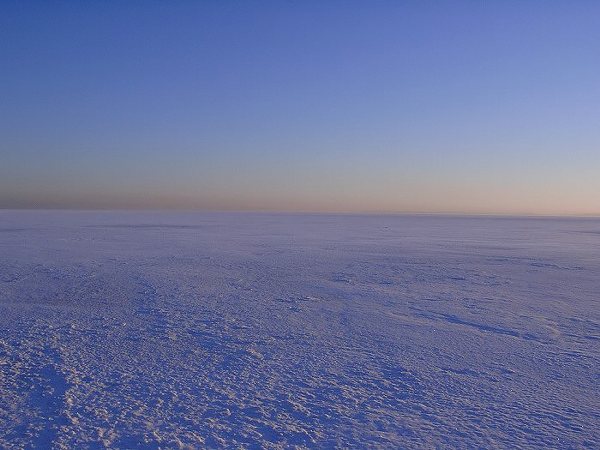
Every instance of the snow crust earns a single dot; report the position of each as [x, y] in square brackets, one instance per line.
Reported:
[166, 330]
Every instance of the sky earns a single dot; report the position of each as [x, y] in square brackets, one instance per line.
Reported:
[473, 107]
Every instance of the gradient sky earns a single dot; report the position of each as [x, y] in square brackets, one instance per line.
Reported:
[455, 107]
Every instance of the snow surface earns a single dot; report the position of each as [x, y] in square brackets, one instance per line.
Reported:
[148, 330]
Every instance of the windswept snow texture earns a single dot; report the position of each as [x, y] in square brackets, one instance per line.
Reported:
[148, 330]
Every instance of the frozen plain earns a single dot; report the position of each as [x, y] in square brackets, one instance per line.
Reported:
[166, 330]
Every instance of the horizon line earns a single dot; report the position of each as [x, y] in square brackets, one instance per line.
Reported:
[312, 212]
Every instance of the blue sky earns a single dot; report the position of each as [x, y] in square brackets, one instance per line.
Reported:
[458, 107]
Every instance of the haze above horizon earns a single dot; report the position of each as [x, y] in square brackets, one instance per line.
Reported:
[413, 107]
